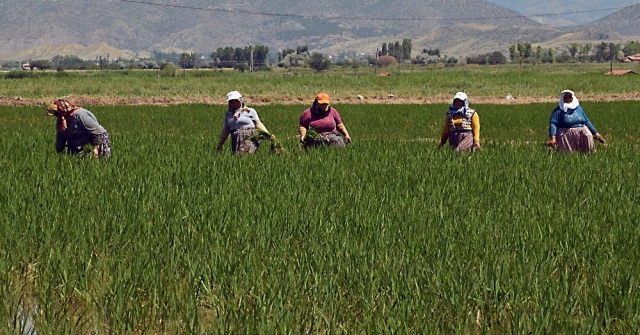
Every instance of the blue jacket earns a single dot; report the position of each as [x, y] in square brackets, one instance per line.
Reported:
[573, 118]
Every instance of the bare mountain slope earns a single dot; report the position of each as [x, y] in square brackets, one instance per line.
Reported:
[625, 22]
[592, 10]
[125, 25]
[37, 28]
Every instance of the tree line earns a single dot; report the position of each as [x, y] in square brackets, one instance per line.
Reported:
[575, 52]
[241, 58]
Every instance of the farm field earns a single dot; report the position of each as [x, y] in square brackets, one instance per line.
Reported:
[406, 84]
[388, 235]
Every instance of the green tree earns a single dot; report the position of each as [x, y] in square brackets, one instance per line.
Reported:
[513, 52]
[631, 48]
[406, 48]
[584, 52]
[42, 64]
[573, 49]
[319, 62]
[397, 51]
[187, 60]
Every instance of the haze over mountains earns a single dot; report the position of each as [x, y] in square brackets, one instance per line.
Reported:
[591, 10]
[36, 29]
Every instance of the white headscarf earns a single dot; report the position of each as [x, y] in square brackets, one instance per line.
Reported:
[573, 105]
[462, 96]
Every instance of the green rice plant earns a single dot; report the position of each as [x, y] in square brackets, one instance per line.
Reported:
[86, 152]
[389, 235]
[261, 135]
[312, 138]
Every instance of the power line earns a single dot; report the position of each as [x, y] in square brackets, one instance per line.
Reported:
[372, 18]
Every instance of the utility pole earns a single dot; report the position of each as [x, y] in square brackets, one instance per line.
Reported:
[355, 68]
[375, 66]
[251, 64]
[611, 56]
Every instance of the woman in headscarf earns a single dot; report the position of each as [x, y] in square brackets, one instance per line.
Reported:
[76, 127]
[569, 128]
[325, 120]
[241, 122]
[461, 125]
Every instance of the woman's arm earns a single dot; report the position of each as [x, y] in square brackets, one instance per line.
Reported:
[91, 125]
[260, 126]
[475, 128]
[60, 142]
[344, 131]
[588, 123]
[223, 138]
[553, 128]
[303, 132]
[445, 133]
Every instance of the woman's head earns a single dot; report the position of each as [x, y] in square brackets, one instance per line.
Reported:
[235, 100]
[567, 97]
[60, 108]
[321, 102]
[568, 100]
[460, 100]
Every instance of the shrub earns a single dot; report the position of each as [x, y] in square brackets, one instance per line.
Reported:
[169, 70]
[19, 75]
[386, 61]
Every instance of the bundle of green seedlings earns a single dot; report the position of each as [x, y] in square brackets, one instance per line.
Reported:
[261, 135]
[312, 137]
[86, 152]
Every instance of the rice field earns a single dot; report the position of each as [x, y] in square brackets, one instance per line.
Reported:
[388, 235]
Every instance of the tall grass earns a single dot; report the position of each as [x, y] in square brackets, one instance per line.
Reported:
[206, 85]
[386, 235]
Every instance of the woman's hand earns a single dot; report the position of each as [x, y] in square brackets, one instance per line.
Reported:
[219, 148]
[552, 142]
[476, 145]
[96, 151]
[440, 146]
[600, 138]
[347, 138]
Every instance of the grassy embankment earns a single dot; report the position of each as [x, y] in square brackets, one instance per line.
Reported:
[426, 83]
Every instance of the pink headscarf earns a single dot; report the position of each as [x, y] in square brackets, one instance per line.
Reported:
[62, 109]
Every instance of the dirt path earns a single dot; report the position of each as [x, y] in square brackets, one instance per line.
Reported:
[257, 101]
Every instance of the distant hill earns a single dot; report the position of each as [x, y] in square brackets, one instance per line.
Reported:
[31, 29]
[25, 24]
[625, 22]
[592, 9]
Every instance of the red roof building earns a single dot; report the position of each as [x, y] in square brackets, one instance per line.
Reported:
[620, 72]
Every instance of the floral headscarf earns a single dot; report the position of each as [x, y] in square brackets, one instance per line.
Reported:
[564, 106]
[62, 109]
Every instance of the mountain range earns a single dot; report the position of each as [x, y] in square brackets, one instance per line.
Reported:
[36, 29]
[567, 12]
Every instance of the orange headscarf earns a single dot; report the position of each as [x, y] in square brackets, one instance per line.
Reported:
[62, 109]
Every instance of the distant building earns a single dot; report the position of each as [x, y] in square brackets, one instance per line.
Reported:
[633, 58]
[26, 66]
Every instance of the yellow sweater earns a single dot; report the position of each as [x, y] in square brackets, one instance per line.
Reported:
[457, 122]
